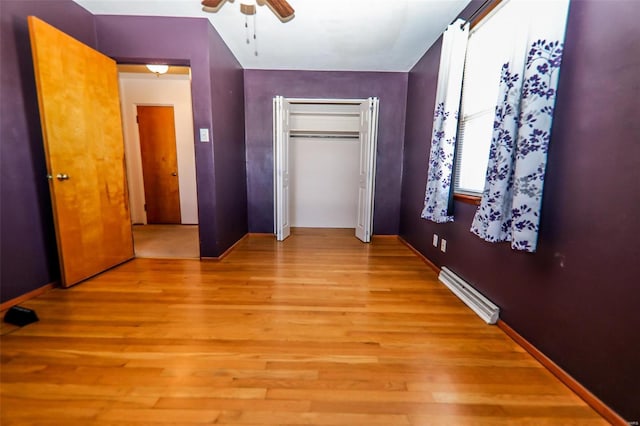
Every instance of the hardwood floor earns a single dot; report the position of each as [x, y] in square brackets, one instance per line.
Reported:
[319, 330]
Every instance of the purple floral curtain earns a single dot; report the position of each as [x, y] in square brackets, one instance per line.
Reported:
[512, 197]
[445, 123]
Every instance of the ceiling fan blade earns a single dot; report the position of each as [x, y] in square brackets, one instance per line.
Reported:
[212, 5]
[281, 8]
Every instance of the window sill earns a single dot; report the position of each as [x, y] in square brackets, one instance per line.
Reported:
[469, 199]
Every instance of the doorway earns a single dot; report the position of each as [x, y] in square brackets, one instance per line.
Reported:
[324, 164]
[160, 158]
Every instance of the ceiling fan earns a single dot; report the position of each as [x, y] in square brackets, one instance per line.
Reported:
[281, 8]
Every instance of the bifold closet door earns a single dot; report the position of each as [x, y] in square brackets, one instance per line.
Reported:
[367, 168]
[282, 224]
[368, 131]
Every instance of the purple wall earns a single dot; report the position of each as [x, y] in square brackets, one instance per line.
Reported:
[29, 255]
[217, 96]
[260, 88]
[28, 245]
[227, 94]
[577, 298]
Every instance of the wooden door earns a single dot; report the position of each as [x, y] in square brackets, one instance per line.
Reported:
[157, 130]
[82, 132]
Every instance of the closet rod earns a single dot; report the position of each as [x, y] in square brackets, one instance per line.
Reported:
[316, 136]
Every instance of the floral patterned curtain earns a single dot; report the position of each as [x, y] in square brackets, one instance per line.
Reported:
[445, 123]
[512, 197]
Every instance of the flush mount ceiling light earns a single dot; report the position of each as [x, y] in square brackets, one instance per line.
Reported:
[281, 8]
[158, 69]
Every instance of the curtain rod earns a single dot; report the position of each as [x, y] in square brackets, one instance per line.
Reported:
[474, 14]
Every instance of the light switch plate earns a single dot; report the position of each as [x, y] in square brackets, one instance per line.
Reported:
[443, 245]
[435, 240]
[204, 135]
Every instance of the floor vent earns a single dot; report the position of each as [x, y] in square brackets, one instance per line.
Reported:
[470, 296]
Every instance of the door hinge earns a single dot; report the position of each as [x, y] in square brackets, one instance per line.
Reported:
[145, 207]
[137, 119]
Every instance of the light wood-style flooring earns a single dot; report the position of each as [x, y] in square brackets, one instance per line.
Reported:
[318, 330]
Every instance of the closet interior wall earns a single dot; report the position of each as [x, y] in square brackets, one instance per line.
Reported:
[324, 145]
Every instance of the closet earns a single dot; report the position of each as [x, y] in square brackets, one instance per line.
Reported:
[324, 164]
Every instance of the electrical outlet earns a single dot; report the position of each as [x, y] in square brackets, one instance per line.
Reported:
[443, 245]
[435, 240]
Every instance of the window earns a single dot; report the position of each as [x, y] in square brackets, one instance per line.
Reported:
[488, 45]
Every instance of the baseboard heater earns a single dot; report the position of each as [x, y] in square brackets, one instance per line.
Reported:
[470, 296]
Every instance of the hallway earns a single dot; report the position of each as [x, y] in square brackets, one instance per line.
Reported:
[166, 241]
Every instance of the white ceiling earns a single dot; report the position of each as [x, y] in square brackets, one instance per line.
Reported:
[339, 35]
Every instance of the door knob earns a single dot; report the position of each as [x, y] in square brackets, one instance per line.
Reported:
[174, 174]
[62, 176]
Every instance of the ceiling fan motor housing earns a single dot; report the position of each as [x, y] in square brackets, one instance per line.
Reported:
[281, 8]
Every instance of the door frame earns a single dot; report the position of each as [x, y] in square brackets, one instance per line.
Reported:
[281, 199]
[189, 216]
